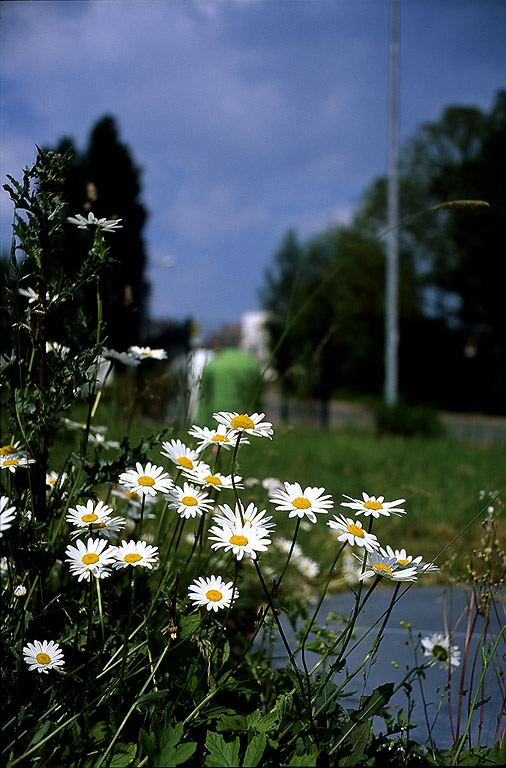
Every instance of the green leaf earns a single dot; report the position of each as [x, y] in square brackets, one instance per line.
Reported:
[254, 750]
[188, 624]
[222, 754]
[175, 755]
[356, 745]
[238, 722]
[163, 749]
[124, 755]
[268, 723]
[39, 735]
[302, 760]
[284, 704]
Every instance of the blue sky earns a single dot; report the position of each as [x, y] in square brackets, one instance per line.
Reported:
[248, 117]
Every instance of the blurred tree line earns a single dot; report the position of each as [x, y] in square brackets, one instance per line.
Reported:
[325, 296]
[105, 180]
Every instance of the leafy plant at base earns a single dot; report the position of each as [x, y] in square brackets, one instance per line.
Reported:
[150, 676]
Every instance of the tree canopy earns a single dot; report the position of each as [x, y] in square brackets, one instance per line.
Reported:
[105, 180]
[452, 351]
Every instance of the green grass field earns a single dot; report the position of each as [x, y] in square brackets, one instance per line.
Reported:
[440, 479]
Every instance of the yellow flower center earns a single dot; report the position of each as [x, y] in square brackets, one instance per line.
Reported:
[220, 439]
[403, 562]
[189, 501]
[132, 495]
[301, 503]
[145, 480]
[10, 462]
[185, 462]
[214, 595]
[212, 479]
[43, 658]
[90, 518]
[97, 525]
[51, 482]
[242, 422]
[133, 557]
[381, 568]
[240, 541]
[355, 530]
[90, 558]
[6, 449]
[373, 505]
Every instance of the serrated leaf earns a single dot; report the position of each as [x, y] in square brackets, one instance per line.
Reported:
[267, 723]
[254, 750]
[302, 760]
[238, 722]
[175, 755]
[222, 754]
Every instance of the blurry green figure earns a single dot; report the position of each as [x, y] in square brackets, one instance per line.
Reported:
[231, 381]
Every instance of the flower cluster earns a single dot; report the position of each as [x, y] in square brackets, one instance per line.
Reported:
[12, 457]
[379, 562]
[243, 532]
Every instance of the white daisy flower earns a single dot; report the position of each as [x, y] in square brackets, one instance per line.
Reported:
[272, 484]
[5, 361]
[370, 505]
[204, 475]
[100, 440]
[91, 514]
[7, 515]
[212, 592]
[143, 353]
[30, 294]
[120, 357]
[284, 545]
[12, 449]
[20, 591]
[241, 539]
[52, 479]
[43, 656]
[349, 570]
[307, 566]
[189, 501]
[132, 497]
[108, 225]
[82, 425]
[351, 531]
[91, 559]
[60, 349]
[135, 553]
[180, 454]
[439, 648]
[403, 559]
[386, 567]
[241, 423]
[300, 503]
[15, 461]
[107, 526]
[217, 437]
[146, 480]
[250, 516]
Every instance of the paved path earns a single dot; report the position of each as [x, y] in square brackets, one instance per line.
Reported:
[468, 426]
[425, 608]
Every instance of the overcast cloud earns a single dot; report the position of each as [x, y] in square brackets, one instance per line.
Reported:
[247, 116]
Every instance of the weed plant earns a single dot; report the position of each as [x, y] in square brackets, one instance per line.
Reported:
[142, 594]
